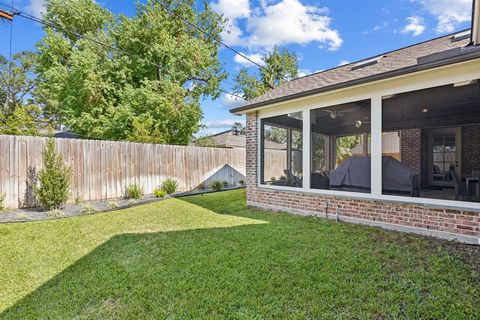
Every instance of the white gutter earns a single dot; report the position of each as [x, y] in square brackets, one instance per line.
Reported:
[476, 22]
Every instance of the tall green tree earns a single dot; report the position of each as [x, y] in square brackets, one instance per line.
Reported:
[145, 84]
[280, 65]
[19, 115]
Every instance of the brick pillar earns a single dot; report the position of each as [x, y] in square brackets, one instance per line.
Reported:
[470, 149]
[252, 166]
[411, 149]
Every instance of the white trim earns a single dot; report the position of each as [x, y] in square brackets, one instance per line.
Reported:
[376, 148]
[306, 150]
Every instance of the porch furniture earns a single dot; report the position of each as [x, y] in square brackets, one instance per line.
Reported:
[461, 189]
[355, 174]
[320, 180]
[473, 187]
[292, 180]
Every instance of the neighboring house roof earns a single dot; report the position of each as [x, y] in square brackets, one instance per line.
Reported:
[426, 55]
[228, 139]
[65, 135]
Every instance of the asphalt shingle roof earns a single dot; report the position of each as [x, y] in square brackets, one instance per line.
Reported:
[390, 61]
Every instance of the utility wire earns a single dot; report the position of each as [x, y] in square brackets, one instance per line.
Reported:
[54, 26]
[208, 34]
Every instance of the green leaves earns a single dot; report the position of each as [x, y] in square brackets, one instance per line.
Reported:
[54, 178]
[144, 85]
[280, 66]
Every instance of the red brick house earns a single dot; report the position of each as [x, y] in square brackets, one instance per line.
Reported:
[390, 141]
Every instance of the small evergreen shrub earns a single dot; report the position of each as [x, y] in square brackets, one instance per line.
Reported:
[159, 193]
[201, 186]
[225, 184]
[273, 179]
[54, 189]
[217, 185]
[170, 186]
[2, 201]
[133, 191]
[241, 182]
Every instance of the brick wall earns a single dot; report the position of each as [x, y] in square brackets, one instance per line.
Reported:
[470, 149]
[252, 169]
[449, 223]
[411, 149]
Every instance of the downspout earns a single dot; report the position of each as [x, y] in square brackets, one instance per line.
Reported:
[475, 35]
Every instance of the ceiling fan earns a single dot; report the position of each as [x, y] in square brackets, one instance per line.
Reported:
[334, 114]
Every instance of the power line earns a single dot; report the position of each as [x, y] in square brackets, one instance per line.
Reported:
[54, 26]
[209, 35]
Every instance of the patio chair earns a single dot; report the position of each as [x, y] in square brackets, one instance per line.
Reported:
[460, 186]
[292, 180]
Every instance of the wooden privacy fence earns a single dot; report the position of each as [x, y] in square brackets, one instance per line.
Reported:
[102, 169]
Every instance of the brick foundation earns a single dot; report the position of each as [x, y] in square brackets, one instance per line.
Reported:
[448, 223]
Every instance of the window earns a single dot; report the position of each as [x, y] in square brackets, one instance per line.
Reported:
[282, 150]
[340, 139]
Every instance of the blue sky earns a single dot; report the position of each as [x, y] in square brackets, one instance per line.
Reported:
[323, 33]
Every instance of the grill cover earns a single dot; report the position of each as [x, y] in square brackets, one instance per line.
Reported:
[354, 175]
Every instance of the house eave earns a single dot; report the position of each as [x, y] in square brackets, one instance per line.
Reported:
[469, 53]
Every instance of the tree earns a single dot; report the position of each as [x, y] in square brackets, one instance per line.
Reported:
[280, 66]
[54, 178]
[238, 128]
[144, 85]
[19, 115]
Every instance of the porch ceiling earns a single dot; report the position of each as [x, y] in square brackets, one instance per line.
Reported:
[437, 107]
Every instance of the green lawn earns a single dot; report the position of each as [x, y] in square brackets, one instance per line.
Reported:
[211, 257]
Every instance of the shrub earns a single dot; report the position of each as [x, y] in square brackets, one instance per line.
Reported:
[78, 199]
[225, 184]
[273, 179]
[217, 185]
[133, 191]
[201, 186]
[54, 179]
[2, 201]
[159, 193]
[241, 182]
[170, 186]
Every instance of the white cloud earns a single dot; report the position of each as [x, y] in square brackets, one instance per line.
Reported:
[449, 13]
[415, 26]
[256, 57]
[222, 124]
[232, 9]
[282, 23]
[229, 101]
[343, 63]
[35, 7]
[304, 72]
[378, 27]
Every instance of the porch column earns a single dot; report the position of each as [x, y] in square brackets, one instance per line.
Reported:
[376, 157]
[306, 149]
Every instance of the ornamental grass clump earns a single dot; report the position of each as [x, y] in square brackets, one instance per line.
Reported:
[217, 185]
[134, 191]
[53, 190]
[170, 186]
